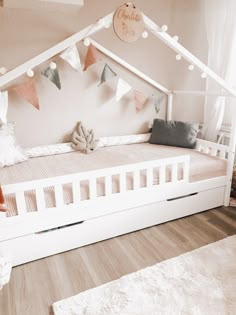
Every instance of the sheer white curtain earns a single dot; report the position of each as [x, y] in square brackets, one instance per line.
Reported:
[221, 36]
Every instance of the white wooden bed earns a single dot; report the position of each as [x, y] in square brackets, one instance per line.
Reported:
[27, 236]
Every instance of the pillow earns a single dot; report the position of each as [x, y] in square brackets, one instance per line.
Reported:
[10, 153]
[51, 149]
[175, 133]
[60, 148]
[121, 140]
[92, 57]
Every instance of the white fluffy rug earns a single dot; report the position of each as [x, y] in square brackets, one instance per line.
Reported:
[200, 282]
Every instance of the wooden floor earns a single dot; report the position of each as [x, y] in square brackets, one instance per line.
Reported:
[35, 286]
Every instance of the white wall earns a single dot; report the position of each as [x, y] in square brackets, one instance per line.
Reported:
[27, 33]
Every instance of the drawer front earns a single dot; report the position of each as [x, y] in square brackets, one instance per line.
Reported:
[31, 247]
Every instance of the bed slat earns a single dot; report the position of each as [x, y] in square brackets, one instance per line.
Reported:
[92, 188]
[222, 154]
[214, 152]
[149, 177]
[136, 178]
[122, 182]
[20, 202]
[186, 171]
[108, 186]
[76, 191]
[40, 200]
[59, 195]
[174, 172]
[162, 175]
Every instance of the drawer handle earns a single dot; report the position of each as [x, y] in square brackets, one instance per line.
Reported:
[181, 197]
[59, 227]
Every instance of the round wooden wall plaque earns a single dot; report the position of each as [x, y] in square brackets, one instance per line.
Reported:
[128, 23]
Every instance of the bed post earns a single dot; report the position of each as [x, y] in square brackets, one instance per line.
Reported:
[231, 157]
[169, 106]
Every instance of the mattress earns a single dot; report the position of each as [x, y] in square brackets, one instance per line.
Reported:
[202, 166]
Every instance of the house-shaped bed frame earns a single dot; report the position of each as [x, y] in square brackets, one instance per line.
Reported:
[29, 236]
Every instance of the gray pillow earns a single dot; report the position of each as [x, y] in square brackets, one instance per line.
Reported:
[175, 133]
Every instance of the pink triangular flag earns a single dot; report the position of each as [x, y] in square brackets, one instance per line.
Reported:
[92, 57]
[140, 100]
[27, 90]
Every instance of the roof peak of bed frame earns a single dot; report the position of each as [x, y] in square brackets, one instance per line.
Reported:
[94, 28]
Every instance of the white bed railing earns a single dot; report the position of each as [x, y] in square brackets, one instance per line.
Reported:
[171, 166]
[213, 149]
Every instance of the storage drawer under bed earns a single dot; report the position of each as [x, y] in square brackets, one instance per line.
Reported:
[34, 246]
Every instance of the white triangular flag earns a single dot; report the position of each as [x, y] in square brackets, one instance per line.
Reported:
[122, 89]
[71, 55]
[3, 107]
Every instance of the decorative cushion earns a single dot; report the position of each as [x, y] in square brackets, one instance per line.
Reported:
[60, 148]
[10, 152]
[121, 140]
[174, 133]
[50, 149]
[83, 139]
[92, 57]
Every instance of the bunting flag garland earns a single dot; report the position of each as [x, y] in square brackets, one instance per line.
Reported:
[122, 89]
[27, 90]
[140, 100]
[93, 56]
[3, 107]
[71, 55]
[53, 75]
[157, 102]
[107, 74]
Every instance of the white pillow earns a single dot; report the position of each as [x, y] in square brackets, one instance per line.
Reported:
[60, 148]
[121, 140]
[10, 152]
[50, 149]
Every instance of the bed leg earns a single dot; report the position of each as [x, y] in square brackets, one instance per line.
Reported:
[231, 157]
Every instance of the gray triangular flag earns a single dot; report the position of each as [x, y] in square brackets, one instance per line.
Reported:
[157, 101]
[107, 74]
[53, 76]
